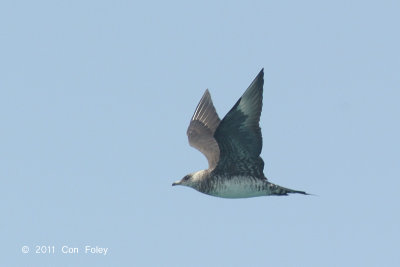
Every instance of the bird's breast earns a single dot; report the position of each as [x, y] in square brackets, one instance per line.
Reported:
[238, 187]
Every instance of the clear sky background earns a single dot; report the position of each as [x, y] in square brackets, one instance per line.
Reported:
[96, 96]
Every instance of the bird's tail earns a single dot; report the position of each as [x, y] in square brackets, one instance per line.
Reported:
[283, 191]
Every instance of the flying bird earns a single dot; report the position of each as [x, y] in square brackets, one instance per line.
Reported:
[232, 147]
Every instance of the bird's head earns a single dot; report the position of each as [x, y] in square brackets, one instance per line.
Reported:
[186, 181]
[193, 180]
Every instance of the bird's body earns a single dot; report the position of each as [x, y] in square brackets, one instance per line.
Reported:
[236, 186]
[232, 147]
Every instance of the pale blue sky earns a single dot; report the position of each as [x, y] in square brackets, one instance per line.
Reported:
[96, 96]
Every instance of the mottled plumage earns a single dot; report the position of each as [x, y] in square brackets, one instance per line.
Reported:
[232, 147]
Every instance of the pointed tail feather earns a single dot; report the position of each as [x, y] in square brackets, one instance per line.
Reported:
[283, 191]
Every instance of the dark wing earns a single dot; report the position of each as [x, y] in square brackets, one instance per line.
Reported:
[202, 127]
[239, 134]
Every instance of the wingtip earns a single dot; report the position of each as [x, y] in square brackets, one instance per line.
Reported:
[260, 75]
[207, 93]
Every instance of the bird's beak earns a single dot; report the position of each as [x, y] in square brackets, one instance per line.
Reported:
[176, 183]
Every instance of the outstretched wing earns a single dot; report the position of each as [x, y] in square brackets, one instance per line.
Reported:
[239, 134]
[201, 129]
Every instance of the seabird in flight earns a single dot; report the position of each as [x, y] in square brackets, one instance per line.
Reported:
[232, 147]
